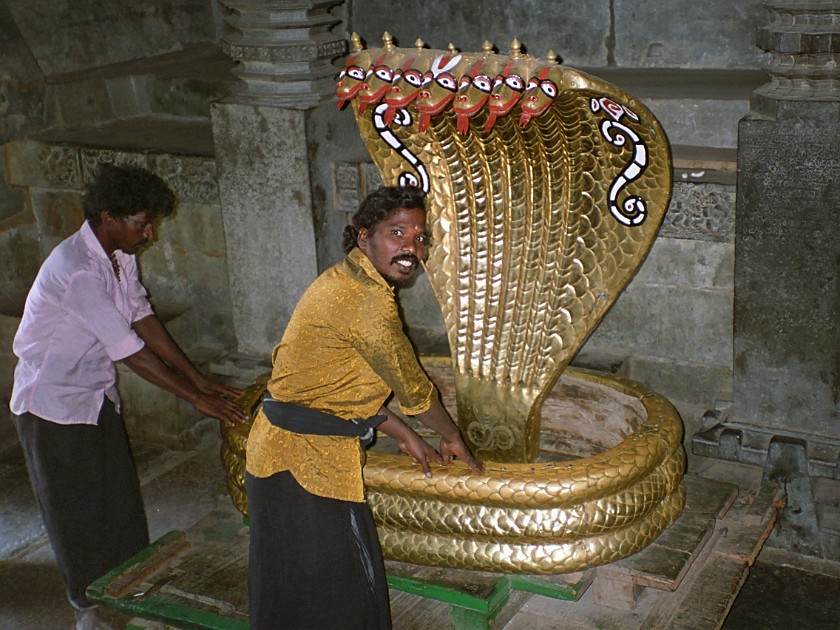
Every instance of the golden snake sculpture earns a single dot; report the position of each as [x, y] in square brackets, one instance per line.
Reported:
[546, 188]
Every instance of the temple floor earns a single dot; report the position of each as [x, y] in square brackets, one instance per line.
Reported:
[183, 487]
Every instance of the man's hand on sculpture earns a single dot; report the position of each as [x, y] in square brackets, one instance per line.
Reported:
[220, 406]
[451, 448]
[419, 450]
[208, 386]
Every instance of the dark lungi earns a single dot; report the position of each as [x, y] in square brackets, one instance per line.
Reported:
[314, 562]
[88, 493]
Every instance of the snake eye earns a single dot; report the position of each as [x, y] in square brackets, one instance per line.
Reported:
[533, 83]
[447, 81]
[549, 88]
[514, 82]
[384, 73]
[356, 72]
[483, 83]
[414, 78]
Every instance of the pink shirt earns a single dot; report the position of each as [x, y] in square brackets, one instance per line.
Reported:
[76, 323]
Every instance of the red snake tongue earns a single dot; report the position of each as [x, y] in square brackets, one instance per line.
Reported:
[423, 124]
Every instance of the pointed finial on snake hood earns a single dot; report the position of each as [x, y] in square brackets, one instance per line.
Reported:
[356, 42]
[515, 49]
[388, 42]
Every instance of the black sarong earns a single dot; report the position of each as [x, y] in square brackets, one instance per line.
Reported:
[314, 563]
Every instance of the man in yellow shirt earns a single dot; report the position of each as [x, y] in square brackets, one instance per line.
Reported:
[315, 560]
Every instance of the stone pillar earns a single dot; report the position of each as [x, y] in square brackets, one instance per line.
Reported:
[285, 52]
[787, 254]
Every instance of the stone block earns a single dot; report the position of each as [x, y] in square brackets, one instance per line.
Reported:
[578, 32]
[71, 36]
[680, 381]
[700, 211]
[687, 34]
[31, 164]
[128, 96]
[786, 287]
[152, 413]
[20, 259]
[82, 102]
[194, 227]
[700, 122]
[58, 214]
[694, 326]
[688, 264]
[185, 96]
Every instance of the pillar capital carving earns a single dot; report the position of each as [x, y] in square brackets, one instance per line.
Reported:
[803, 39]
[284, 49]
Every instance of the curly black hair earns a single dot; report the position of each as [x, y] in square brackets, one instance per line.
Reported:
[377, 206]
[122, 191]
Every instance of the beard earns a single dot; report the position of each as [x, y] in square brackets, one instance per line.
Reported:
[402, 279]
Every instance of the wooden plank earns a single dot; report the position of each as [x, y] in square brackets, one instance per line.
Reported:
[708, 496]
[195, 580]
[567, 586]
[712, 595]
[664, 563]
[475, 590]
[122, 579]
[618, 594]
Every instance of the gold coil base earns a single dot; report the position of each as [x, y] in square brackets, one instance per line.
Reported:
[543, 517]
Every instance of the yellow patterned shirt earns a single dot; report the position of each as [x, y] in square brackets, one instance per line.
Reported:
[343, 352]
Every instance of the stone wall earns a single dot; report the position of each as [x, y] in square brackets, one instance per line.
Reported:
[597, 33]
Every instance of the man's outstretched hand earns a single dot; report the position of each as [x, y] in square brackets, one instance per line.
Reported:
[455, 448]
[420, 451]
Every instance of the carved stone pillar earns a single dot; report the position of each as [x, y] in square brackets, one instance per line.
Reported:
[285, 52]
[787, 261]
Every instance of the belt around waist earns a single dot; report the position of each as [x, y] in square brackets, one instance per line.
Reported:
[299, 419]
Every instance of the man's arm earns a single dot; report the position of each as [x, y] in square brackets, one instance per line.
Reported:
[147, 364]
[409, 442]
[158, 340]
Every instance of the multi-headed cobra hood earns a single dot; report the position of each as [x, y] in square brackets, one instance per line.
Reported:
[546, 188]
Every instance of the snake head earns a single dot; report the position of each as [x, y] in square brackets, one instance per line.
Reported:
[377, 81]
[507, 90]
[438, 89]
[473, 92]
[349, 81]
[403, 90]
[538, 97]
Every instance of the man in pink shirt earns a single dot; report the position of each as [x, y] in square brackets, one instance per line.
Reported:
[86, 310]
